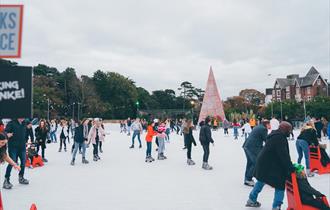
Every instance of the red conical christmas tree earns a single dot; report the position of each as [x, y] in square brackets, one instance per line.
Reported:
[212, 105]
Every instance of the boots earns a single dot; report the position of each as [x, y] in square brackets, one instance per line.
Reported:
[309, 173]
[95, 158]
[190, 162]
[160, 157]
[44, 160]
[249, 183]
[132, 147]
[84, 161]
[6, 184]
[251, 203]
[206, 166]
[148, 159]
[72, 162]
[101, 150]
[22, 180]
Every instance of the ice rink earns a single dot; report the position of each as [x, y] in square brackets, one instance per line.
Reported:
[123, 181]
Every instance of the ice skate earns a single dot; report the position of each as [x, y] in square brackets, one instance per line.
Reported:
[45, 160]
[7, 185]
[148, 159]
[206, 166]
[249, 183]
[251, 203]
[95, 158]
[160, 157]
[84, 161]
[72, 162]
[131, 147]
[190, 162]
[22, 180]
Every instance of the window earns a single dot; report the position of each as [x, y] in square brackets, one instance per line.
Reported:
[287, 95]
[308, 90]
[297, 91]
[288, 89]
[318, 82]
[278, 92]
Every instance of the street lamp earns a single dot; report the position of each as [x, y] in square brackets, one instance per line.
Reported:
[192, 109]
[48, 103]
[137, 108]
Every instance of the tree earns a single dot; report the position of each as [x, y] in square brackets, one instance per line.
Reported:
[253, 96]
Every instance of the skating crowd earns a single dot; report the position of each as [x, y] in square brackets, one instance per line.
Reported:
[265, 147]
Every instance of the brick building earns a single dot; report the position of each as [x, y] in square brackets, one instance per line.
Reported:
[298, 88]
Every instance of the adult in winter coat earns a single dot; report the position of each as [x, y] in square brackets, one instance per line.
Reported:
[205, 137]
[96, 134]
[3, 152]
[16, 133]
[53, 130]
[137, 130]
[252, 147]
[41, 135]
[307, 137]
[29, 132]
[273, 166]
[80, 137]
[318, 126]
[189, 138]
[64, 134]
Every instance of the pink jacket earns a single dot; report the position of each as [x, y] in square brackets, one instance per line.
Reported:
[92, 135]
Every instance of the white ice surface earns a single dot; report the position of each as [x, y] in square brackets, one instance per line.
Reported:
[123, 181]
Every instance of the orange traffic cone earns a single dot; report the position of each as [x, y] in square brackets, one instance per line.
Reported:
[33, 207]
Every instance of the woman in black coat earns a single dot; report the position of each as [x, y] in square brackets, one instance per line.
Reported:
[205, 137]
[273, 166]
[41, 135]
[189, 140]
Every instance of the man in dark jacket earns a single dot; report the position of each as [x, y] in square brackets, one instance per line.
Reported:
[80, 136]
[273, 166]
[252, 146]
[205, 138]
[29, 132]
[16, 131]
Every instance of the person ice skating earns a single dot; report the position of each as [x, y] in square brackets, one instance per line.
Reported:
[63, 135]
[168, 130]
[306, 138]
[273, 166]
[129, 124]
[41, 134]
[189, 138]
[150, 134]
[29, 132]
[16, 133]
[247, 129]
[205, 137]
[226, 126]
[5, 157]
[252, 146]
[53, 130]
[101, 142]
[137, 130]
[161, 141]
[80, 137]
[236, 126]
[96, 134]
[308, 195]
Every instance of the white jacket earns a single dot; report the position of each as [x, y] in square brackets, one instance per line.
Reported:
[65, 130]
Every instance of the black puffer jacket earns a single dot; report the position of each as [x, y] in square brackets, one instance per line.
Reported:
[310, 136]
[205, 135]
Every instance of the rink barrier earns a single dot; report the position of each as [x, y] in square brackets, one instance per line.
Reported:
[315, 161]
[293, 196]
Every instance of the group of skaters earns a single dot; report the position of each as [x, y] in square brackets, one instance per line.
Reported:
[19, 141]
[269, 161]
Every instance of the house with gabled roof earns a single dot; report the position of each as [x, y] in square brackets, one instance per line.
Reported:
[298, 88]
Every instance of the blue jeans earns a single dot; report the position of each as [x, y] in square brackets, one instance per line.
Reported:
[303, 149]
[76, 148]
[251, 159]
[53, 136]
[136, 133]
[278, 195]
[15, 153]
[149, 144]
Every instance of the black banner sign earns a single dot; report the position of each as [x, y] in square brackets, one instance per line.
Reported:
[15, 92]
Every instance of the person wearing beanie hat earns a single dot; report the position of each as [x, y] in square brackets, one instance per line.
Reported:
[308, 195]
[161, 141]
[273, 166]
[4, 156]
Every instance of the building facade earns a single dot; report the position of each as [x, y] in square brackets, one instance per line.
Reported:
[298, 88]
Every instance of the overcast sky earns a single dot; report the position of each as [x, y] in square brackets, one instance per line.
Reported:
[161, 43]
